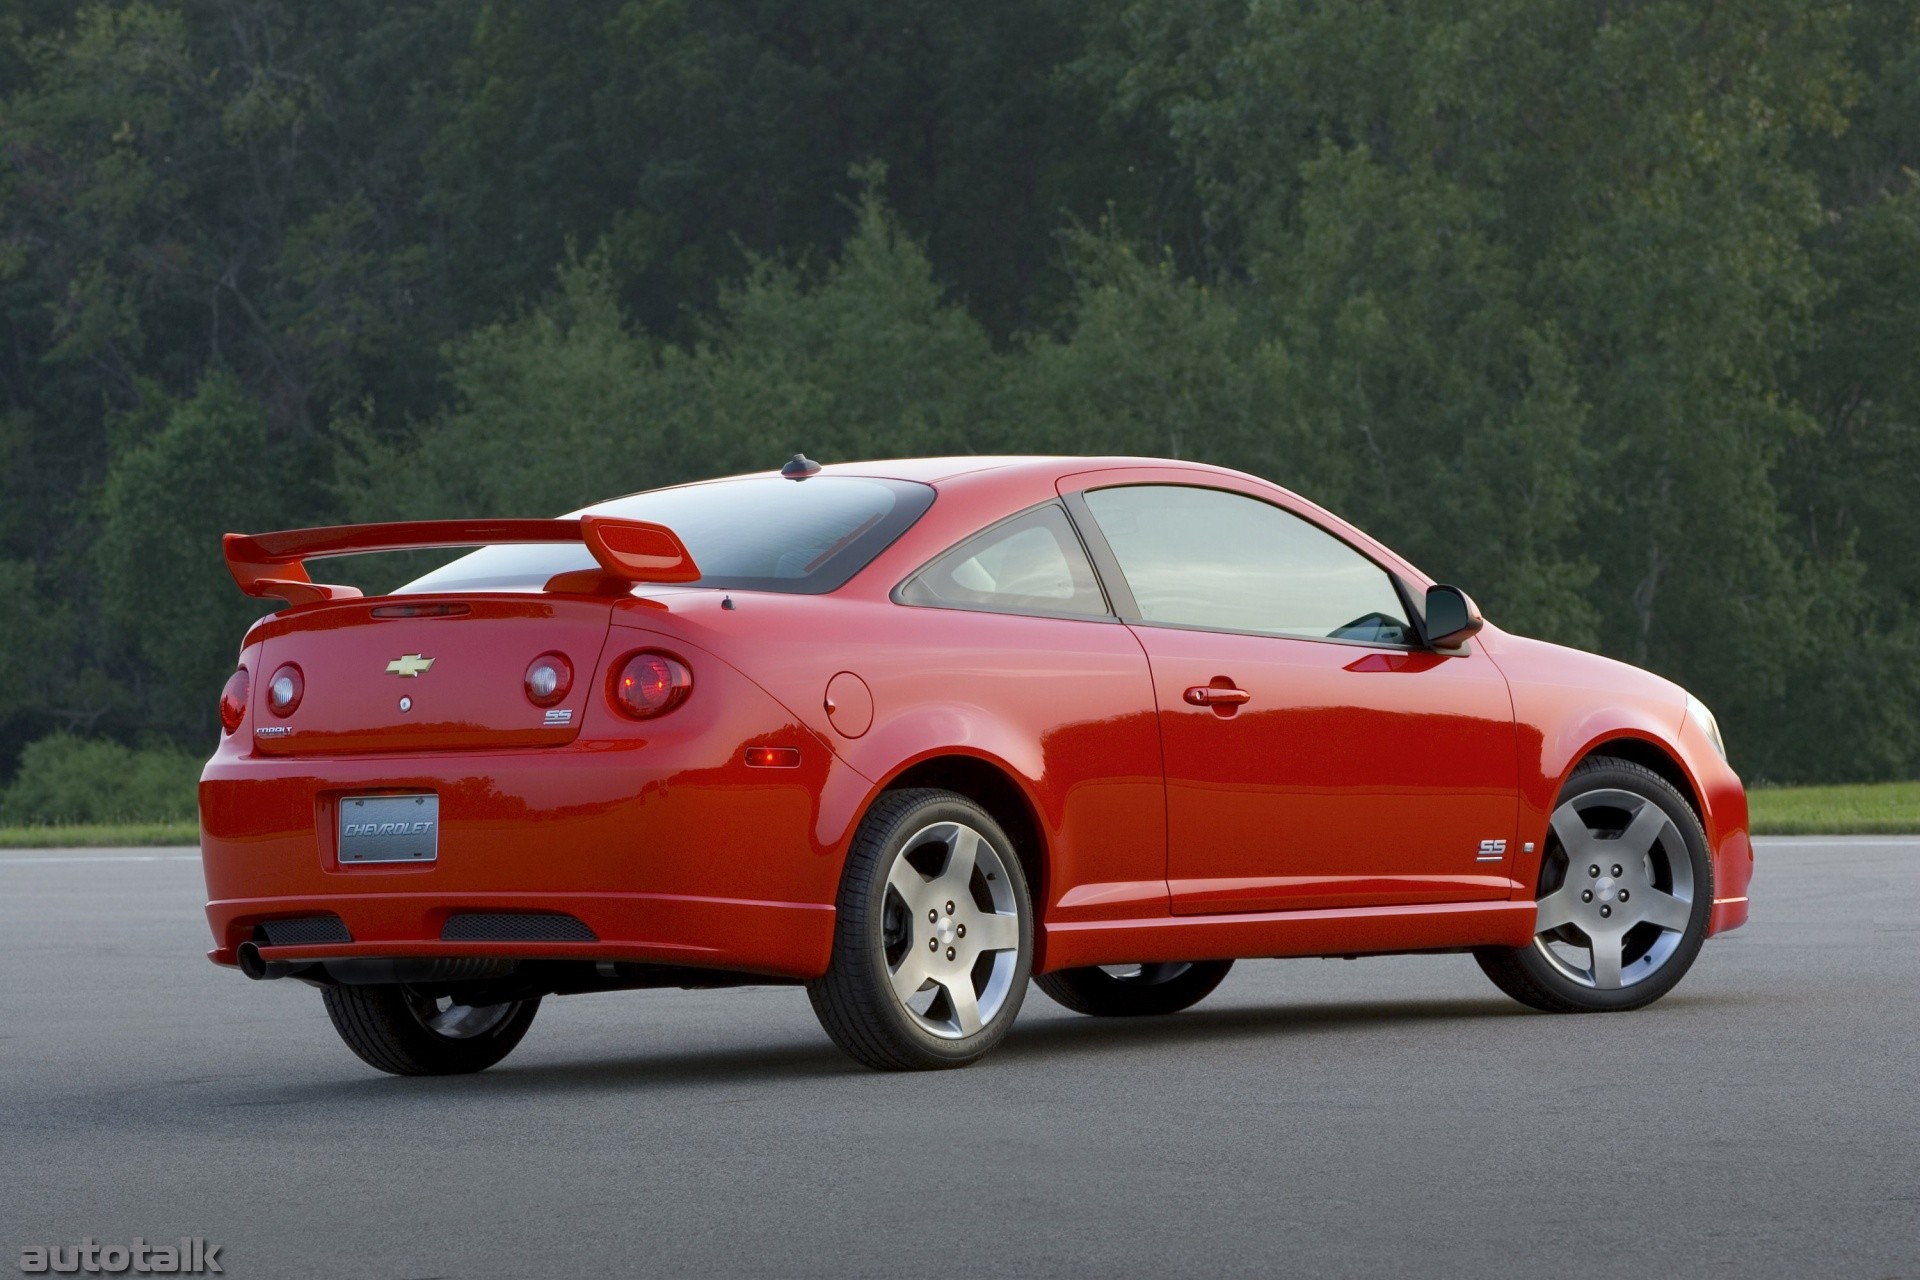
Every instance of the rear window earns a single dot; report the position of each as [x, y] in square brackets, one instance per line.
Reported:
[761, 533]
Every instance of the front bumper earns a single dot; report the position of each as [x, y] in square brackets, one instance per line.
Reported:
[1729, 841]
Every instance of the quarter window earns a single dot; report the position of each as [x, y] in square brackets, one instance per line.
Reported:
[1208, 558]
[1032, 563]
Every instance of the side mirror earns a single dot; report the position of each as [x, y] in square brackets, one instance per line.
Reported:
[1452, 617]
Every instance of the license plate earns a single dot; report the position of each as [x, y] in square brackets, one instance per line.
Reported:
[390, 828]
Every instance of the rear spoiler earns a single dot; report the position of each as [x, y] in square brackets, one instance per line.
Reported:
[273, 565]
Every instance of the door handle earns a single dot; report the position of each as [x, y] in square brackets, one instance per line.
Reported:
[1213, 695]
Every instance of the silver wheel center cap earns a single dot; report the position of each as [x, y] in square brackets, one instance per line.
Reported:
[944, 931]
[1606, 889]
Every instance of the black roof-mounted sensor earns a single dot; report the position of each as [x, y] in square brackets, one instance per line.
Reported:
[800, 467]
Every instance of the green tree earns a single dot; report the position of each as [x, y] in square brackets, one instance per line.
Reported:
[568, 404]
[1605, 312]
[693, 138]
[1543, 271]
[171, 608]
[66, 779]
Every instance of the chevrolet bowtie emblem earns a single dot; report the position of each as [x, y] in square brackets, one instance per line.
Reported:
[410, 664]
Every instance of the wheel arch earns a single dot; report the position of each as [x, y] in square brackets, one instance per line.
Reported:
[1651, 755]
[995, 788]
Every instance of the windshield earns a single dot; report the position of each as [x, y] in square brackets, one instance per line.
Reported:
[759, 533]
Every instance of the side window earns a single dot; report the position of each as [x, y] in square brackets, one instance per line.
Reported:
[1209, 558]
[1032, 563]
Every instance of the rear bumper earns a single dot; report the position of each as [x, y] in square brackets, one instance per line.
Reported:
[671, 853]
[788, 939]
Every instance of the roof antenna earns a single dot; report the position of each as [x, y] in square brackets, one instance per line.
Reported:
[800, 467]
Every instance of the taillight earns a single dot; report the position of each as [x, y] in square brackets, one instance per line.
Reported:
[548, 678]
[233, 700]
[651, 684]
[285, 689]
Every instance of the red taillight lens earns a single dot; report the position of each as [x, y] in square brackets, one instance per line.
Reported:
[548, 678]
[233, 700]
[285, 689]
[651, 684]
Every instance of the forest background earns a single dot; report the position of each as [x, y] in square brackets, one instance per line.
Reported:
[1606, 311]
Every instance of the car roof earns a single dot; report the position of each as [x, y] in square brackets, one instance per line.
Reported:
[937, 470]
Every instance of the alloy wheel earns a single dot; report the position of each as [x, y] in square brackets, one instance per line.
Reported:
[952, 930]
[1617, 890]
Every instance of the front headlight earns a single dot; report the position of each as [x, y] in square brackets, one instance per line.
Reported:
[1698, 713]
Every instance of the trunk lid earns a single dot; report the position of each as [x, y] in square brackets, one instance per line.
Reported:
[420, 673]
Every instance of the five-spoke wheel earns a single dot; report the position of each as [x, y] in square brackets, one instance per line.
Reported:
[1624, 898]
[1626, 888]
[934, 936]
[952, 929]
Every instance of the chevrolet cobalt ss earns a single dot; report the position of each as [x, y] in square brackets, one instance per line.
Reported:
[911, 733]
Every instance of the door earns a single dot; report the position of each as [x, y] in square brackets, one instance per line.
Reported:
[1315, 755]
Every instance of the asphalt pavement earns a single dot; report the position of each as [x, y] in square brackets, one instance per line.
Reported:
[1379, 1117]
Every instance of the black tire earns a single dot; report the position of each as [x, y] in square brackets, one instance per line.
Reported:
[876, 935]
[388, 1027]
[1530, 975]
[1156, 989]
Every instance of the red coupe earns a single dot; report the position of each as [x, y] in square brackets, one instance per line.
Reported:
[913, 732]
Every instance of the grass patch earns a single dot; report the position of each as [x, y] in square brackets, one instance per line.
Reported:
[100, 835]
[1876, 808]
